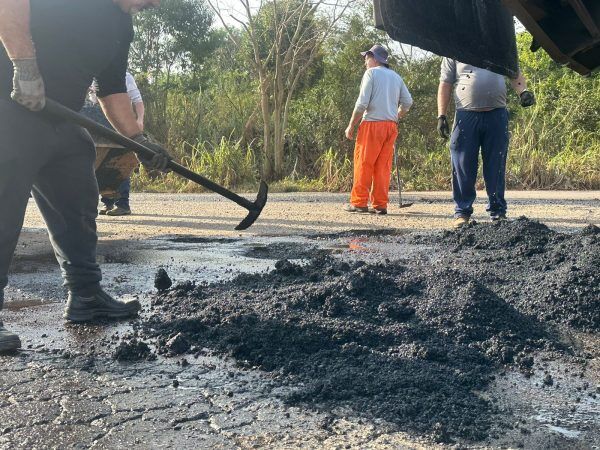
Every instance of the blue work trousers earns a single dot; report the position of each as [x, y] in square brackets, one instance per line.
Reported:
[123, 200]
[474, 130]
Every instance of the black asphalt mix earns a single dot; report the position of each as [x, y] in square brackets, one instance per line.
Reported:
[429, 335]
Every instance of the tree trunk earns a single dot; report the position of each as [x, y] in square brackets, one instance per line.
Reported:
[267, 169]
[278, 133]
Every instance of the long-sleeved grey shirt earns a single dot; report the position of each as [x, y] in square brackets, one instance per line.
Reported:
[382, 91]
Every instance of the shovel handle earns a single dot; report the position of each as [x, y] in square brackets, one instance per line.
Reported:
[56, 109]
[398, 175]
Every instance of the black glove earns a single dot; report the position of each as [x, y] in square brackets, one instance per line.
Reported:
[160, 160]
[527, 99]
[443, 127]
[28, 85]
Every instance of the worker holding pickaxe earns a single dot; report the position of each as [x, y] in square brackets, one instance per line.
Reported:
[51, 47]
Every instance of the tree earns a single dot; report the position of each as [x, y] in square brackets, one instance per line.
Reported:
[284, 38]
[176, 35]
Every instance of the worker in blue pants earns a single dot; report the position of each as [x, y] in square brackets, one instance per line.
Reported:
[481, 122]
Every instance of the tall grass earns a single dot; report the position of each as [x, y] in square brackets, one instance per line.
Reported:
[334, 175]
[542, 155]
[424, 162]
[554, 144]
[228, 164]
[335, 171]
[548, 152]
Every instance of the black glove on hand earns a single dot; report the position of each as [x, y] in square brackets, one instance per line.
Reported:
[28, 85]
[527, 99]
[443, 127]
[160, 160]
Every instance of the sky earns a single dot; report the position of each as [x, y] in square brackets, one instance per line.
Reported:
[232, 7]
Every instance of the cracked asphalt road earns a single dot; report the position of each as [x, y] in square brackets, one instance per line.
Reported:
[64, 390]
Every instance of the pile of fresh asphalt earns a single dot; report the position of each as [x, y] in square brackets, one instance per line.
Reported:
[552, 276]
[414, 341]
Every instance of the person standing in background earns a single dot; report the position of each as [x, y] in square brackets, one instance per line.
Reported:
[481, 122]
[383, 99]
[121, 206]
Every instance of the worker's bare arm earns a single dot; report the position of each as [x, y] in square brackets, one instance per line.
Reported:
[117, 108]
[443, 98]
[402, 112]
[356, 116]
[139, 112]
[519, 84]
[15, 34]
[526, 97]
[14, 29]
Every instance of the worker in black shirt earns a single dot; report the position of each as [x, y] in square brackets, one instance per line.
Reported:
[52, 48]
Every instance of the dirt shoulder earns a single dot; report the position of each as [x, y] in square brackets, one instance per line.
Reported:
[305, 213]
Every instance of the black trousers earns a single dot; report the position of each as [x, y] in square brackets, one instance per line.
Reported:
[55, 162]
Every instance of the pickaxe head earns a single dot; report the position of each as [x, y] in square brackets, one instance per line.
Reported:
[259, 204]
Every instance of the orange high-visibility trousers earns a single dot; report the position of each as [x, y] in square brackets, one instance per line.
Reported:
[373, 155]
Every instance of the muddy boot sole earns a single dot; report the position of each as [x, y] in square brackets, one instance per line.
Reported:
[9, 344]
[89, 315]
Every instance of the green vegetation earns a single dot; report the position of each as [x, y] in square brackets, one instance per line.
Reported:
[220, 103]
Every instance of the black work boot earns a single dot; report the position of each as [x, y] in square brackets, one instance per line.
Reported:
[119, 211]
[9, 342]
[98, 305]
[105, 209]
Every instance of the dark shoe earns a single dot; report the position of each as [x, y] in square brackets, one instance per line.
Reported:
[498, 217]
[378, 211]
[356, 209]
[119, 211]
[104, 210]
[461, 221]
[9, 342]
[98, 306]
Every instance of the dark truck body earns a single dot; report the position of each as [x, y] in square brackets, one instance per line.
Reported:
[569, 30]
[481, 32]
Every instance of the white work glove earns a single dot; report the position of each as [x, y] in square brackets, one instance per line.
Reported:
[28, 85]
[160, 160]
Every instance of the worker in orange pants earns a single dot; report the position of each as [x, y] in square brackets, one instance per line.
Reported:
[383, 99]
[373, 156]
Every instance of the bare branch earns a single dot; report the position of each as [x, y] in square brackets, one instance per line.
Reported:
[297, 31]
[230, 33]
